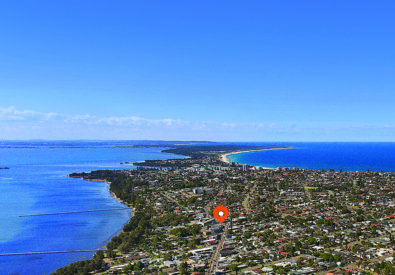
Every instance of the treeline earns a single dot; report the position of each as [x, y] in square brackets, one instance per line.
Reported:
[120, 184]
[171, 219]
[184, 185]
[139, 231]
[185, 231]
[107, 175]
[83, 267]
[133, 232]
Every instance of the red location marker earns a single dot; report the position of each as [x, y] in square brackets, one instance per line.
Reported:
[221, 213]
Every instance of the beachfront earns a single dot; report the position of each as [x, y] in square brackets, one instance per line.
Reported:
[224, 157]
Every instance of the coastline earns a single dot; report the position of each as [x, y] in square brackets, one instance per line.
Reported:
[108, 188]
[121, 201]
[224, 157]
[131, 212]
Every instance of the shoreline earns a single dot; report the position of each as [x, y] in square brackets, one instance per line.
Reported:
[224, 157]
[131, 213]
[108, 188]
[102, 246]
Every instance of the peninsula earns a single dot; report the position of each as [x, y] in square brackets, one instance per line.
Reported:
[203, 155]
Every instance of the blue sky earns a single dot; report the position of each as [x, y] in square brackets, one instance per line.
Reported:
[198, 70]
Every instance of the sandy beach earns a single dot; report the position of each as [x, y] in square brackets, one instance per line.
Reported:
[224, 157]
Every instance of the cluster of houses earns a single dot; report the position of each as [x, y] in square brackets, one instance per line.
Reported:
[282, 221]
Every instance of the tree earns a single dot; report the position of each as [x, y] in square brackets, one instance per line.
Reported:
[111, 254]
[184, 269]
[312, 241]
[168, 257]
[127, 268]
[280, 271]
[247, 234]
[140, 265]
[234, 267]
[337, 258]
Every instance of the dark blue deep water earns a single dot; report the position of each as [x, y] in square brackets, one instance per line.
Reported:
[348, 156]
[37, 182]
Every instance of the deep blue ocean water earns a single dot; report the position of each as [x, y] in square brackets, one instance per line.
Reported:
[37, 183]
[348, 156]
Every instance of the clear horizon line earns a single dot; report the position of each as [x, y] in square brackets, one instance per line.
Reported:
[211, 141]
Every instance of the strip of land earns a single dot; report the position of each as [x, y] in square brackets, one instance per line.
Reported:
[203, 155]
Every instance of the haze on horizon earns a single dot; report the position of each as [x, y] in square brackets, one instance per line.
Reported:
[203, 70]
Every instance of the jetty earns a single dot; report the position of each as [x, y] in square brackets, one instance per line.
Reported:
[74, 212]
[47, 252]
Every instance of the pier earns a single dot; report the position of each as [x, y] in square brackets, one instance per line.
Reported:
[73, 212]
[46, 252]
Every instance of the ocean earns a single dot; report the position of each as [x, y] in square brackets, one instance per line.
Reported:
[37, 183]
[345, 156]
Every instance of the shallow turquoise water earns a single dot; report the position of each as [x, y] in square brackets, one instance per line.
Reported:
[37, 183]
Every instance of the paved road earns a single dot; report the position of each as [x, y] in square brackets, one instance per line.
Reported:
[246, 203]
[217, 254]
